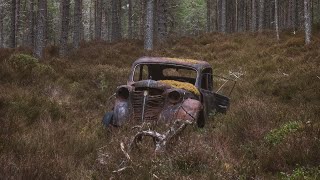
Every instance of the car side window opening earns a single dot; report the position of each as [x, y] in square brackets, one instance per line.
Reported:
[141, 72]
[206, 79]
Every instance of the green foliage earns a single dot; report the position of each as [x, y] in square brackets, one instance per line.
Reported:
[104, 84]
[275, 136]
[302, 173]
[191, 16]
[26, 66]
[30, 109]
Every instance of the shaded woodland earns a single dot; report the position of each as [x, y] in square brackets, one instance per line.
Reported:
[65, 23]
[62, 60]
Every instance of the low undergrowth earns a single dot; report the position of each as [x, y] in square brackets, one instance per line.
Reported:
[51, 111]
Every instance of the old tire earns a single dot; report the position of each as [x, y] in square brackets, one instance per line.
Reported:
[107, 119]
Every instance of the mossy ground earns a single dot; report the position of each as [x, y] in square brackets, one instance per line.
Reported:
[51, 111]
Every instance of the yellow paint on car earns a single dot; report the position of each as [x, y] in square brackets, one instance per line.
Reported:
[192, 61]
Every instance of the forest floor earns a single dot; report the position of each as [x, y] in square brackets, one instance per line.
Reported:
[51, 112]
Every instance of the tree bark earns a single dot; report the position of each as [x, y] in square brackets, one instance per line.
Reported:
[116, 31]
[236, 18]
[98, 19]
[223, 16]
[148, 42]
[1, 25]
[64, 27]
[276, 18]
[31, 29]
[77, 23]
[209, 12]
[307, 22]
[12, 38]
[17, 19]
[254, 17]
[41, 22]
[261, 15]
[162, 20]
[130, 19]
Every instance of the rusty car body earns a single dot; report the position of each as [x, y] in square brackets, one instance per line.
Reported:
[165, 89]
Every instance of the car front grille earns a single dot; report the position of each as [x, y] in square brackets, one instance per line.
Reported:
[153, 106]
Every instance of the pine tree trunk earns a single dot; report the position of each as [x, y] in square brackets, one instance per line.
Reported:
[12, 38]
[77, 23]
[276, 18]
[31, 29]
[64, 27]
[130, 19]
[98, 19]
[91, 21]
[116, 31]
[108, 21]
[254, 17]
[261, 15]
[307, 21]
[294, 16]
[17, 13]
[236, 18]
[142, 19]
[148, 43]
[162, 21]
[1, 25]
[214, 15]
[223, 16]
[209, 11]
[41, 22]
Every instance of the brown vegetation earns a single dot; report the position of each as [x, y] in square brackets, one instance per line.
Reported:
[51, 111]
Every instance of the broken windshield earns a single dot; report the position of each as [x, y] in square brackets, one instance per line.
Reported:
[164, 72]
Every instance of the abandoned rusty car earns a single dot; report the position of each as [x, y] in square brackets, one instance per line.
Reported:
[166, 89]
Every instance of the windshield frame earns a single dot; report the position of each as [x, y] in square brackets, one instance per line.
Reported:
[133, 70]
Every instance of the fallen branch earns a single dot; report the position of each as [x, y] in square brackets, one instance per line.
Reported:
[161, 140]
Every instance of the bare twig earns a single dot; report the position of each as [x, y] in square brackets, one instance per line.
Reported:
[124, 152]
[237, 75]
[121, 169]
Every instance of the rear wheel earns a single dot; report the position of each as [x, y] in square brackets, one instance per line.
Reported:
[107, 118]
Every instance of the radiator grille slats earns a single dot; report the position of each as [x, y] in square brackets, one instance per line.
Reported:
[153, 106]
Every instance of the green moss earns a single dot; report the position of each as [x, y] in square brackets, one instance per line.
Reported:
[302, 173]
[275, 136]
[26, 66]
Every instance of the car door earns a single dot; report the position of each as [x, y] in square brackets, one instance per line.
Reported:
[213, 102]
[206, 89]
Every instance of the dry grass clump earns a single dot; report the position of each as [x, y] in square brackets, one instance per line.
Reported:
[51, 111]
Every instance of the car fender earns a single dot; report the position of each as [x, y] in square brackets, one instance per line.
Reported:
[121, 112]
[189, 110]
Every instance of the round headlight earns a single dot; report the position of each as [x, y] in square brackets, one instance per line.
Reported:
[123, 93]
[174, 97]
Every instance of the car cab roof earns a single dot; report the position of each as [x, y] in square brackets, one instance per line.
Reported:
[196, 64]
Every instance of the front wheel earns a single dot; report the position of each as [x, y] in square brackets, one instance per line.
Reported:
[107, 118]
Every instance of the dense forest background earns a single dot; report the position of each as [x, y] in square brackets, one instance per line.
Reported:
[67, 23]
[62, 60]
